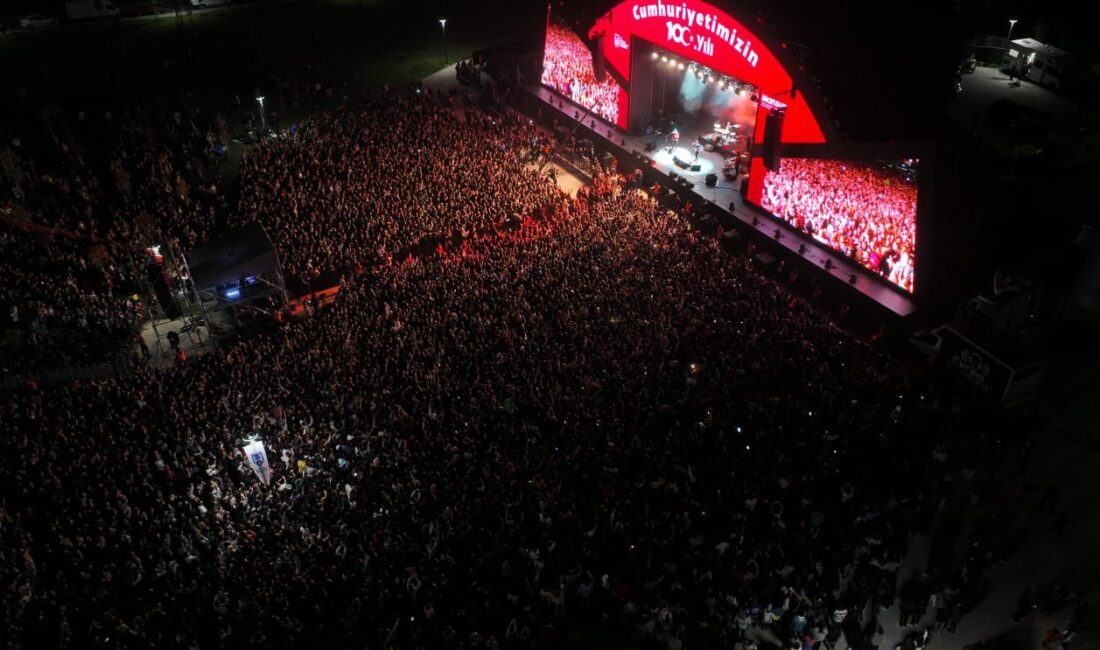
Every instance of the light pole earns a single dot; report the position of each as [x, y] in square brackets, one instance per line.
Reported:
[443, 24]
[1008, 41]
[263, 120]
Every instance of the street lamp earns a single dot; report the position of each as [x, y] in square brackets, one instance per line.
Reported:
[263, 120]
[443, 24]
[1008, 41]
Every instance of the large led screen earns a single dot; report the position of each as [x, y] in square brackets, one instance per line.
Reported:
[865, 210]
[567, 68]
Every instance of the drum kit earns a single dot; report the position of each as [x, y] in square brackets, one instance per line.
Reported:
[726, 133]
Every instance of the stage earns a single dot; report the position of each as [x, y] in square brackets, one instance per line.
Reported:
[724, 195]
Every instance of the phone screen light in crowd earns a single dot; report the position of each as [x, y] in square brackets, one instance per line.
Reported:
[738, 429]
[250, 279]
[233, 293]
[748, 448]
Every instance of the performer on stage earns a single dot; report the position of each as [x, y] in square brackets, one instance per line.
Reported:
[675, 135]
[697, 147]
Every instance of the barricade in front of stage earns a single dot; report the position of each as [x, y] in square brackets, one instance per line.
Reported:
[792, 268]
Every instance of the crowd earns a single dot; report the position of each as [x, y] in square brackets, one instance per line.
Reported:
[567, 68]
[361, 183]
[562, 419]
[59, 304]
[861, 211]
[589, 416]
[82, 193]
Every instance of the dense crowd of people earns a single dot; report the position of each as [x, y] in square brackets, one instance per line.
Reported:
[567, 68]
[525, 421]
[361, 183]
[82, 194]
[860, 210]
[593, 417]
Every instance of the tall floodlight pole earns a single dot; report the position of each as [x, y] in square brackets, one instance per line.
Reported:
[263, 118]
[443, 24]
[1008, 40]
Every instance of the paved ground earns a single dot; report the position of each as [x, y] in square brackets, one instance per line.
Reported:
[987, 85]
[194, 343]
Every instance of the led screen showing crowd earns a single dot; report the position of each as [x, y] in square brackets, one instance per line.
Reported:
[567, 68]
[865, 210]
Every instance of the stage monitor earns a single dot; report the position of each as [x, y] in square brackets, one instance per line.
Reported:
[865, 209]
[568, 69]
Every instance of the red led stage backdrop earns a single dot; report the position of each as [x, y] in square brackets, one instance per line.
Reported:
[703, 33]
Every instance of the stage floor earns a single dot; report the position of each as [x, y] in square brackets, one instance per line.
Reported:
[727, 193]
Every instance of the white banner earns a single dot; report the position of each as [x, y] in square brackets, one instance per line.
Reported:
[256, 455]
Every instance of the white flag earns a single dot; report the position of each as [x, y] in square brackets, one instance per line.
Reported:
[256, 455]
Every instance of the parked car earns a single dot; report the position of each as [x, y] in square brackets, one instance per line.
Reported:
[34, 21]
[90, 9]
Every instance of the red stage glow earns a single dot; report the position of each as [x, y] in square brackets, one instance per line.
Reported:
[701, 32]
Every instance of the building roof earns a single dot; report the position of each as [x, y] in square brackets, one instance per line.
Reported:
[240, 253]
[1042, 48]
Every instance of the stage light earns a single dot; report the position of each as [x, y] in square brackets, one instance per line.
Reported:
[710, 78]
[682, 65]
[664, 59]
[655, 55]
[740, 92]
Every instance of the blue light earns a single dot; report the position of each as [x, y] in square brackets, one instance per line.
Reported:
[232, 294]
[250, 279]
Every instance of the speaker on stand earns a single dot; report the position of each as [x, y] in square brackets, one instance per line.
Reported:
[160, 284]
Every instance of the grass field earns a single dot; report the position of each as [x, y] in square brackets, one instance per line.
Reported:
[235, 50]
[221, 59]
